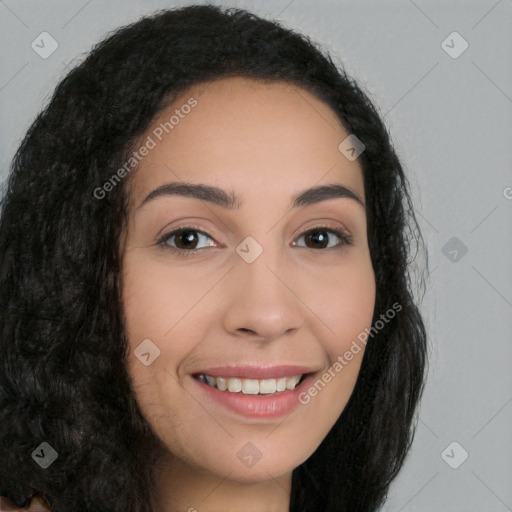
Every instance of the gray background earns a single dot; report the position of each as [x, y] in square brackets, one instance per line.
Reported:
[450, 119]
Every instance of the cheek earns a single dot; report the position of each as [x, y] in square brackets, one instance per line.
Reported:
[158, 300]
[152, 313]
[151, 306]
[345, 304]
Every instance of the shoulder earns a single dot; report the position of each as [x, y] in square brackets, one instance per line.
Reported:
[37, 504]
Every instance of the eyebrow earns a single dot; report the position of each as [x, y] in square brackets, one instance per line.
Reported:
[230, 200]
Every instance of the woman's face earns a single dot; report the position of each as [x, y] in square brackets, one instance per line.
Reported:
[263, 297]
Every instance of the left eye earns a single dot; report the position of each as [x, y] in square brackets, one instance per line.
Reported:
[188, 238]
[317, 236]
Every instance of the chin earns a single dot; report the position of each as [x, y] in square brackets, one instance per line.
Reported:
[258, 473]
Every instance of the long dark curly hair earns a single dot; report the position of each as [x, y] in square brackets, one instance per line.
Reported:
[63, 364]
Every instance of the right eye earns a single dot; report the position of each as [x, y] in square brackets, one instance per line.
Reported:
[186, 236]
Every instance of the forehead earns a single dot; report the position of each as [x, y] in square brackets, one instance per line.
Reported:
[249, 136]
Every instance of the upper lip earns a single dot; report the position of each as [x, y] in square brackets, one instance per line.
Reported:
[256, 371]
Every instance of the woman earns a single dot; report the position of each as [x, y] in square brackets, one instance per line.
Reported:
[276, 367]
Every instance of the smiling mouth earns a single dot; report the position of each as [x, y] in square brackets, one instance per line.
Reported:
[252, 386]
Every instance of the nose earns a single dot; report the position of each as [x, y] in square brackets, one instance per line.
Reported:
[263, 298]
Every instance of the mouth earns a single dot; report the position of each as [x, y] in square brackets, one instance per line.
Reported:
[248, 386]
[257, 399]
[256, 391]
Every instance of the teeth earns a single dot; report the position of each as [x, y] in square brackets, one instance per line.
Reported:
[221, 383]
[251, 386]
[292, 382]
[234, 385]
[281, 384]
[268, 386]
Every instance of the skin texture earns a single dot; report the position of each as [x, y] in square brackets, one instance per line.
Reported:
[292, 305]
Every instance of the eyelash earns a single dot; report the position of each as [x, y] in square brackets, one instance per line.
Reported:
[346, 239]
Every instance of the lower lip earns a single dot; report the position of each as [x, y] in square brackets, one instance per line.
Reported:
[258, 406]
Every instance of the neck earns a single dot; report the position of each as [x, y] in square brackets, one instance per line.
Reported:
[182, 488]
